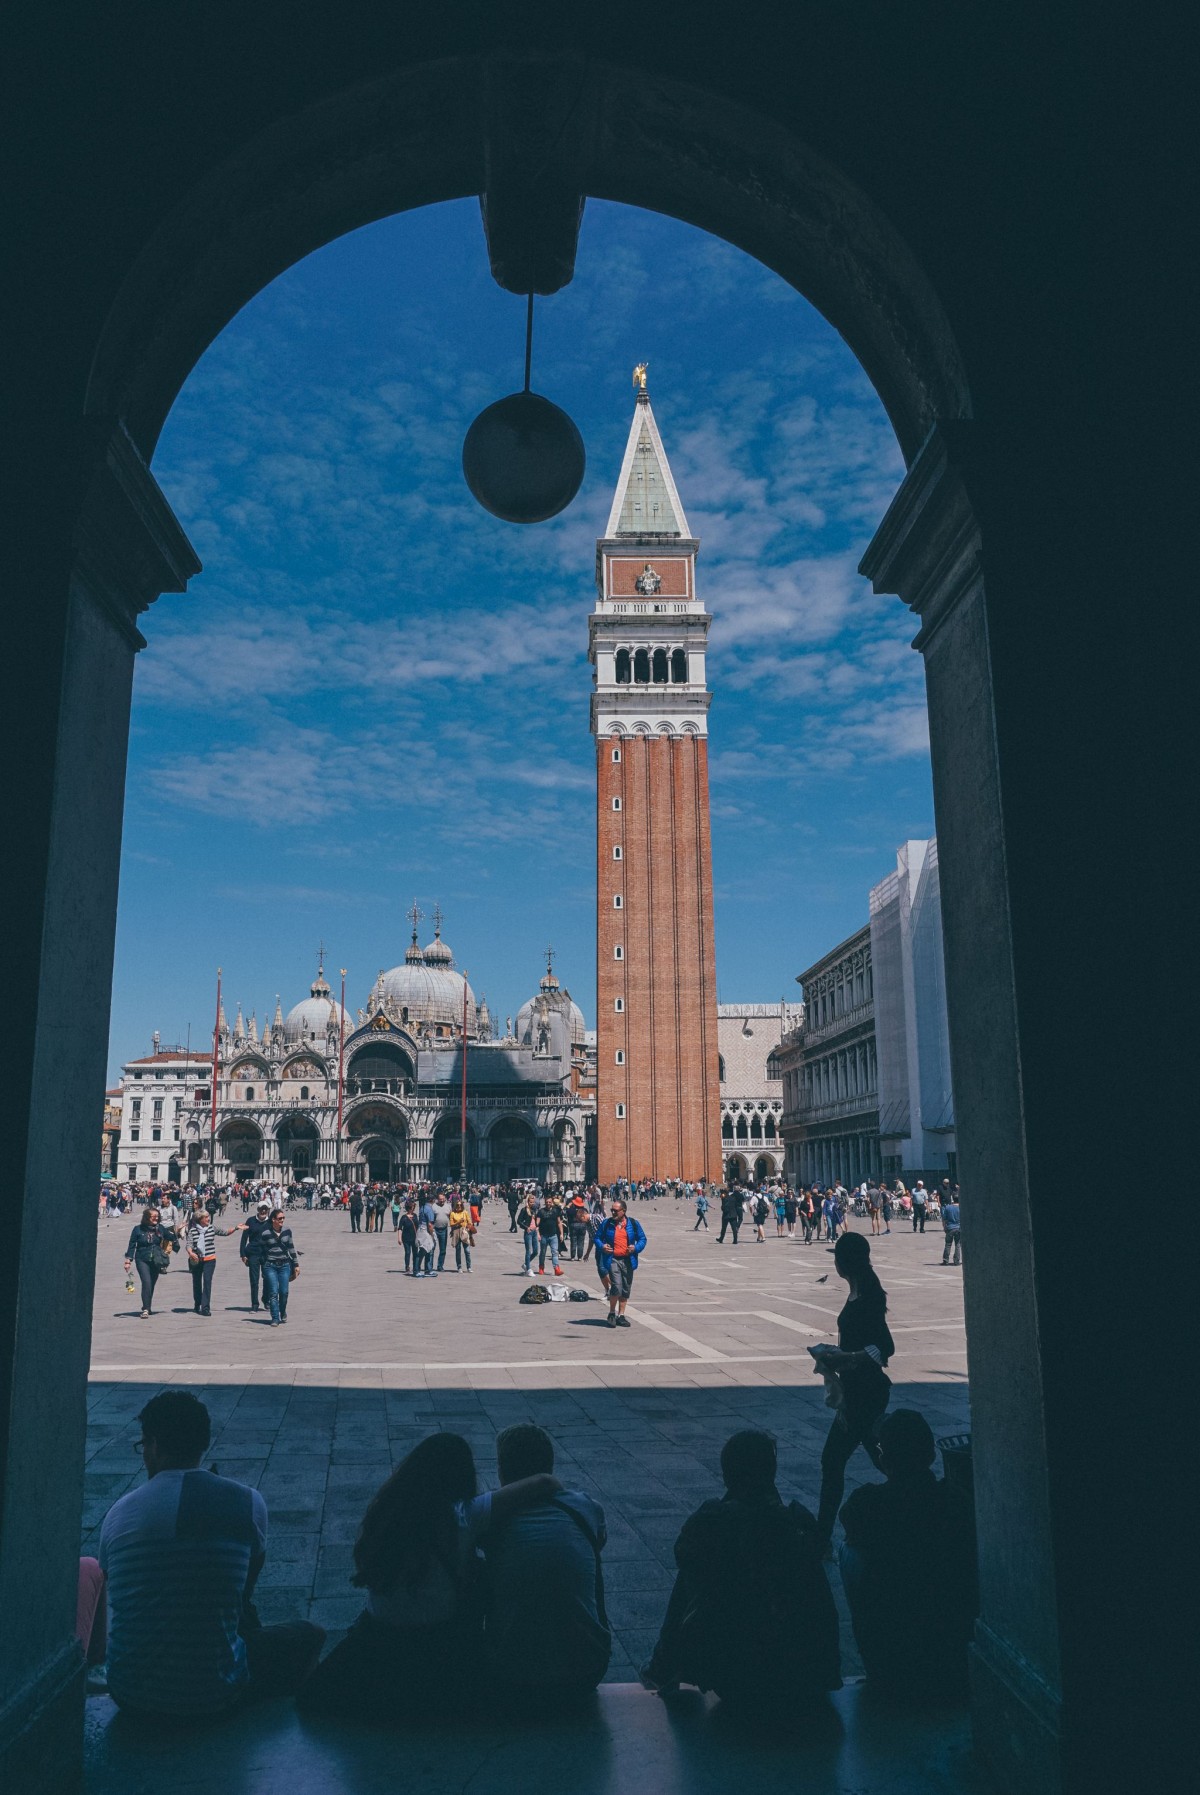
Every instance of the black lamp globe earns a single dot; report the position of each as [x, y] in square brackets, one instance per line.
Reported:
[524, 459]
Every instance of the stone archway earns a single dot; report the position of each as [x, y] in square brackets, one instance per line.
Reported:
[339, 159]
[376, 1132]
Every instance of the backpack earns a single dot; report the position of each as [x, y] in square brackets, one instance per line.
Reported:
[577, 1294]
[761, 1210]
[534, 1293]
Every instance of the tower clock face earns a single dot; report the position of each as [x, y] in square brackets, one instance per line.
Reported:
[648, 582]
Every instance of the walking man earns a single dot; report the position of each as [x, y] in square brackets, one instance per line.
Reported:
[621, 1238]
[701, 1211]
[731, 1214]
[920, 1202]
[952, 1223]
[251, 1249]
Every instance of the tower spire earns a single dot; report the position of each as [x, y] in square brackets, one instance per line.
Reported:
[646, 502]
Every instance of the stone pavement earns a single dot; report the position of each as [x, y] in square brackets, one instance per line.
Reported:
[317, 1413]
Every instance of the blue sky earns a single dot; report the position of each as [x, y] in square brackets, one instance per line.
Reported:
[375, 691]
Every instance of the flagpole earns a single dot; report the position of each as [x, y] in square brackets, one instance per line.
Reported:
[463, 1144]
[341, 1077]
[212, 1124]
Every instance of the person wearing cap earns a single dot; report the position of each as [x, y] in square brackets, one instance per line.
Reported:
[251, 1249]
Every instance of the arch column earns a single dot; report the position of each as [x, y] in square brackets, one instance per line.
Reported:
[73, 639]
[928, 549]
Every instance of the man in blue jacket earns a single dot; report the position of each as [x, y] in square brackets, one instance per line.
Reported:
[621, 1239]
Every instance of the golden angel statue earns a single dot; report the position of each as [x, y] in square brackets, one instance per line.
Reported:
[639, 376]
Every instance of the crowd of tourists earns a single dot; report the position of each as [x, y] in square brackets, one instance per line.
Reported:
[515, 1577]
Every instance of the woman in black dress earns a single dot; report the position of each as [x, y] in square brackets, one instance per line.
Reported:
[865, 1345]
[149, 1248]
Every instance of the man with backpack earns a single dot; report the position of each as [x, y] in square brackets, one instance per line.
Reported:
[762, 1210]
[750, 1590]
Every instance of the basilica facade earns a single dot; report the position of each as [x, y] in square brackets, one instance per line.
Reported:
[378, 1096]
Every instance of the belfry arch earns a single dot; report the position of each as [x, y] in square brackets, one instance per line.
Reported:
[337, 156]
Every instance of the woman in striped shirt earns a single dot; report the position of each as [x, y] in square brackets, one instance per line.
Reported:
[202, 1257]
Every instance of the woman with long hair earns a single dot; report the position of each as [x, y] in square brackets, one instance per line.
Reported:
[149, 1250]
[859, 1384]
[417, 1558]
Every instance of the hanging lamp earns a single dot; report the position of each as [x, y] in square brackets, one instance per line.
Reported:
[523, 458]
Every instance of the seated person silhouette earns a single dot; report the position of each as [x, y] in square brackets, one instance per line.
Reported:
[543, 1582]
[750, 1590]
[908, 1562]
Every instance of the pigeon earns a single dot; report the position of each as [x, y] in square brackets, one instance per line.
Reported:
[824, 1278]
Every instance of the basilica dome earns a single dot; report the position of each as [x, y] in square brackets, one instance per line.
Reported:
[550, 987]
[427, 988]
[310, 1020]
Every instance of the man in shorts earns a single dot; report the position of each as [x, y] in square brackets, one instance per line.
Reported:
[621, 1239]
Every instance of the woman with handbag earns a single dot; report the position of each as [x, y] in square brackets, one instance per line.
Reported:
[149, 1250]
[460, 1232]
[280, 1265]
[202, 1256]
[854, 1373]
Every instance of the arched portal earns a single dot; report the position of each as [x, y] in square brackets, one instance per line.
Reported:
[446, 1151]
[298, 1139]
[240, 1145]
[380, 1066]
[512, 1149]
[736, 1169]
[376, 1135]
[262, 190]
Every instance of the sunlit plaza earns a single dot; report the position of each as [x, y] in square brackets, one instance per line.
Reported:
[317, 1414]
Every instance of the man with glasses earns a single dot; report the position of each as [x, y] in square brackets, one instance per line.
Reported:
[251, 1249]
[621, 1239]
[182, 1554]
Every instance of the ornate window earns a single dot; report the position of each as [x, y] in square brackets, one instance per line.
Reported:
[679, 667]
[660, 666]
[641, 667]
[623, 675]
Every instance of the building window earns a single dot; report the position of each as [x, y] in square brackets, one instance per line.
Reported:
[618, 952]
[616, 803]
[249, 1093]
[135, 1108]
[158, 1103]
[616, 754]
[135, 1134]
[641, 664]
[304, 1091]
[620, 1056]
[622, 675]
[156, 1134]
[618, 852]
[618, 901]
[679, 670]
[620, 1112]
[618, 1004]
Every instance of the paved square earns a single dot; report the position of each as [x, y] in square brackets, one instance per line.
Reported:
[316, 1413]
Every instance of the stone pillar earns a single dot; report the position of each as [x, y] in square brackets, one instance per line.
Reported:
[929, 550]
[70, 667]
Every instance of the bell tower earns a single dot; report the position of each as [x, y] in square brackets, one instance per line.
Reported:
[657, 1084]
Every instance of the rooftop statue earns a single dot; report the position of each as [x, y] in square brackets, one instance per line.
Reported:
[639, 376]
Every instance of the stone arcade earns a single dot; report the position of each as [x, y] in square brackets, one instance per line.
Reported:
[986, 203]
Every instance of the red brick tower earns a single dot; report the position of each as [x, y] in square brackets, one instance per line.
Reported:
[658, 1089]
